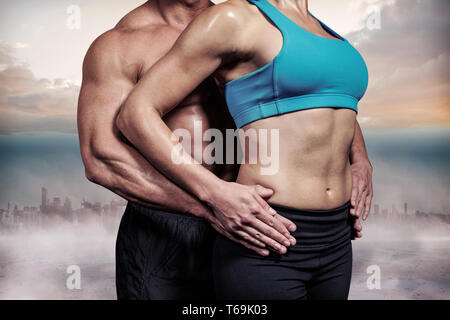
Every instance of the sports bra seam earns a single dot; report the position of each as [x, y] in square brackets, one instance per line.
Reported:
[284, 112]
[245, 108]
[318, 94]
[274, 85]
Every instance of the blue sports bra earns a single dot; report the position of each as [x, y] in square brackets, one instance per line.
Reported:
[310, 71]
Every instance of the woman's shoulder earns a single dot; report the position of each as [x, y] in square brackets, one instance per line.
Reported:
[232, 15]
[220, 29]
[240, 7]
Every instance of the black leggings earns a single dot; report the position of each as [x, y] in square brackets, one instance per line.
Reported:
[319, 266]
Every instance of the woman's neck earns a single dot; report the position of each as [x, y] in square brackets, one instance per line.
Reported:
[298, 5]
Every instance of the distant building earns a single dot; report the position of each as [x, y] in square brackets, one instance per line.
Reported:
[67, 208]
[44, 201]
[56, 204]
[394, 211]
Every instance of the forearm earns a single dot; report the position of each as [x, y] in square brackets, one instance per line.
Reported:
[144, 128]
[358, 151]
[129, 175]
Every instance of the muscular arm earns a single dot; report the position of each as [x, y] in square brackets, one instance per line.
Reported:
[108, 160]
[158, 92]
[197, 54]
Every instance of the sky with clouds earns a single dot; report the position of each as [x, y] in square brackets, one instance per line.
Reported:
[407, 57]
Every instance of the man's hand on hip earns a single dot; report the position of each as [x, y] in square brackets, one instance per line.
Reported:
[362, 193]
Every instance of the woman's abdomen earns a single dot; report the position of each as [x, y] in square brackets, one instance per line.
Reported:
[307, 165]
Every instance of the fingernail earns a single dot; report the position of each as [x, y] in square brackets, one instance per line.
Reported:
[293, 241]
[292, 227]
[286, 243]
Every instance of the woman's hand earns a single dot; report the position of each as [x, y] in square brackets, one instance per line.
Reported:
[242, 215]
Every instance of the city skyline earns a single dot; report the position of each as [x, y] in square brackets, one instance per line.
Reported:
[47, 206]
[44, 213]
[55, 201]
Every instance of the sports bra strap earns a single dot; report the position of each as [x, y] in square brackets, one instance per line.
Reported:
[273, 14]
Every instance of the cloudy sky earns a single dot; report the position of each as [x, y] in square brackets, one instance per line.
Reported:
[404, 42]
[407, 53]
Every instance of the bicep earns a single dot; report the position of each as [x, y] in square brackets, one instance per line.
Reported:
[100, 142]
[98, 105]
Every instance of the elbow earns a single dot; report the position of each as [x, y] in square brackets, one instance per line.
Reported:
[127, 119]
[93, 167]
[134, 117]
[91, 175]
[92, 172]
[123, 120]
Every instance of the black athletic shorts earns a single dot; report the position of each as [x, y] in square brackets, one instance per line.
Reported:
[163, 255]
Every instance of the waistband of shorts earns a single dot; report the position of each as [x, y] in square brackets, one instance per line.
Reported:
[318, 228]
[166, 213]
[339, 212]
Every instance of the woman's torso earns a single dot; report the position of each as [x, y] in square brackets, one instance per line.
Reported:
[313, 168]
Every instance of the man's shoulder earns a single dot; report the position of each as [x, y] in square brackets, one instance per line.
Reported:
[129, 45]
[138, 29]
[104, 51]
[125, 37]
[142, 25]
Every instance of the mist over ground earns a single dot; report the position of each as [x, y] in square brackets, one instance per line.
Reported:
[413, 258]
[34, 262]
